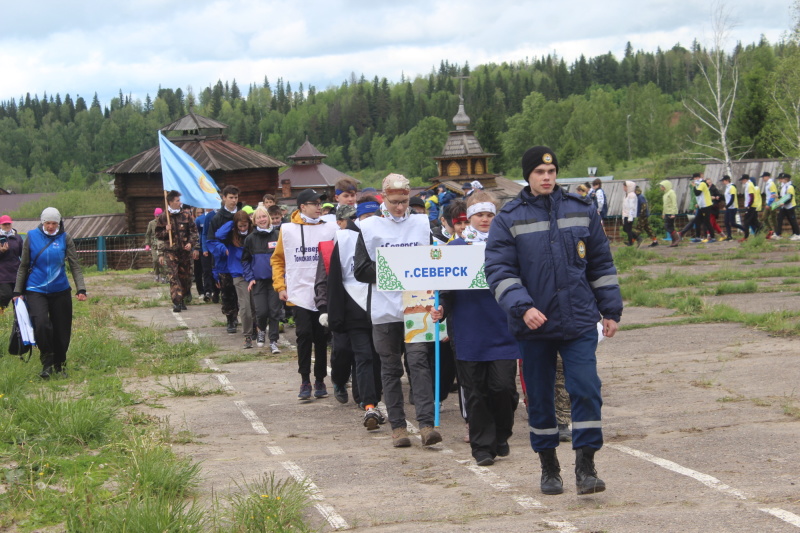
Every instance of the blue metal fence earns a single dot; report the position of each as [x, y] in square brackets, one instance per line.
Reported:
[116, 252]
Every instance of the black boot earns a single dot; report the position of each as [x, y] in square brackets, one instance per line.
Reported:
[231, 324]
[176, 308]
[47, 365]
[60, 369]
[551, 480]
[585, 475]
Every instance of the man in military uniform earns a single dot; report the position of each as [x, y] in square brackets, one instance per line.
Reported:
[151, 244]
[180, 245]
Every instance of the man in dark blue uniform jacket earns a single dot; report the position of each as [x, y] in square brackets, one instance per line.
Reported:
[550, 268]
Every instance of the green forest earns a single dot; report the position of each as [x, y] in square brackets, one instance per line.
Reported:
[647, 114]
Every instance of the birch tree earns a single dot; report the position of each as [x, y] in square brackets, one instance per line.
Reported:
[714, 95]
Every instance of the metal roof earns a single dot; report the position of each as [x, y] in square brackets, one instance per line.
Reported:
[11, 202]
[307, 151]
[192, 122]
[316, 175]
[83, 226]
[212, 152]
[751, 167]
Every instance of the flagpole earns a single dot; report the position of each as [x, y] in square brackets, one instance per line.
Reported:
[166, 211]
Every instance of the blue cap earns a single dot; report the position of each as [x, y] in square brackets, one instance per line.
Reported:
[366, 208]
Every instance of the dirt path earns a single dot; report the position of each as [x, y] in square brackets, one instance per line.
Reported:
[697, 440]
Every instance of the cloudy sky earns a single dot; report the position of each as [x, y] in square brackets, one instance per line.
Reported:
[101, 46]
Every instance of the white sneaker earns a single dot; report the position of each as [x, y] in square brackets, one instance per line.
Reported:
[775, 237]
[274, 347]
[795, 237]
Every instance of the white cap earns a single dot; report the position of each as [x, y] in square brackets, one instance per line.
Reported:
[51, 214]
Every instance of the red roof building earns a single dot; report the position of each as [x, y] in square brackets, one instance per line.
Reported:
[308, 172]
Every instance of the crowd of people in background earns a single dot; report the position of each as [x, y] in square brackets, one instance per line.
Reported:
[756, 214]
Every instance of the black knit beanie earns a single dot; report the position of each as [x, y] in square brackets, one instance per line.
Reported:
[538, 155]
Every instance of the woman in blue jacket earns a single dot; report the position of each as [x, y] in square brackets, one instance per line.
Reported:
[239, 228]
[42, 281]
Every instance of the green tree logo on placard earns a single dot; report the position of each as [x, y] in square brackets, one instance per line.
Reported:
[386, 278]
[479, 281]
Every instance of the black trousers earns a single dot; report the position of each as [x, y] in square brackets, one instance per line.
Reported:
[310, 336]
[6, 292]
[228, 299]
[354, 352]
[789, 214]
[447, 368]
[199, 272]
[492, 398]
[51, 316]
[208, 274]
[704, 223]
[751, 220]
[268, 307]
[342, 358]
[730, 221]
[627, 227]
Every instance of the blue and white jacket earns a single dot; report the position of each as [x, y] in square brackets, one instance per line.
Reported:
[550, 252]
[48, 274]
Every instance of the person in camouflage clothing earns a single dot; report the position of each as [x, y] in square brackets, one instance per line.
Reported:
[151, 244]
[177, 257]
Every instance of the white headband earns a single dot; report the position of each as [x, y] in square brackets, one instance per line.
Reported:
[481, 207]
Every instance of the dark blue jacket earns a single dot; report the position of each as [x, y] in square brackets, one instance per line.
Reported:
[202, 227]
[257, 253]
[479, 326]
[445, 198]
[9, 260]
[643, 210]
[550, 252]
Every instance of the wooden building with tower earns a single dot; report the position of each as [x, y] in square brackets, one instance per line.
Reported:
[138, 183]
[308, 172]
[464, 161]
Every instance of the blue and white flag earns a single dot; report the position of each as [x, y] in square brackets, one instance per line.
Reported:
[185, 175]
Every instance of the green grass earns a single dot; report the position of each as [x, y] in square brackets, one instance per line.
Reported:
[76, 453]
[240, 357]
[179, 387]
[155, 471]
[736, 288]
[625, 258]
[268, 505]
[643, 289]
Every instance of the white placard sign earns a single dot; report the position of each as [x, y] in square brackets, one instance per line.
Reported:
[424, 268]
